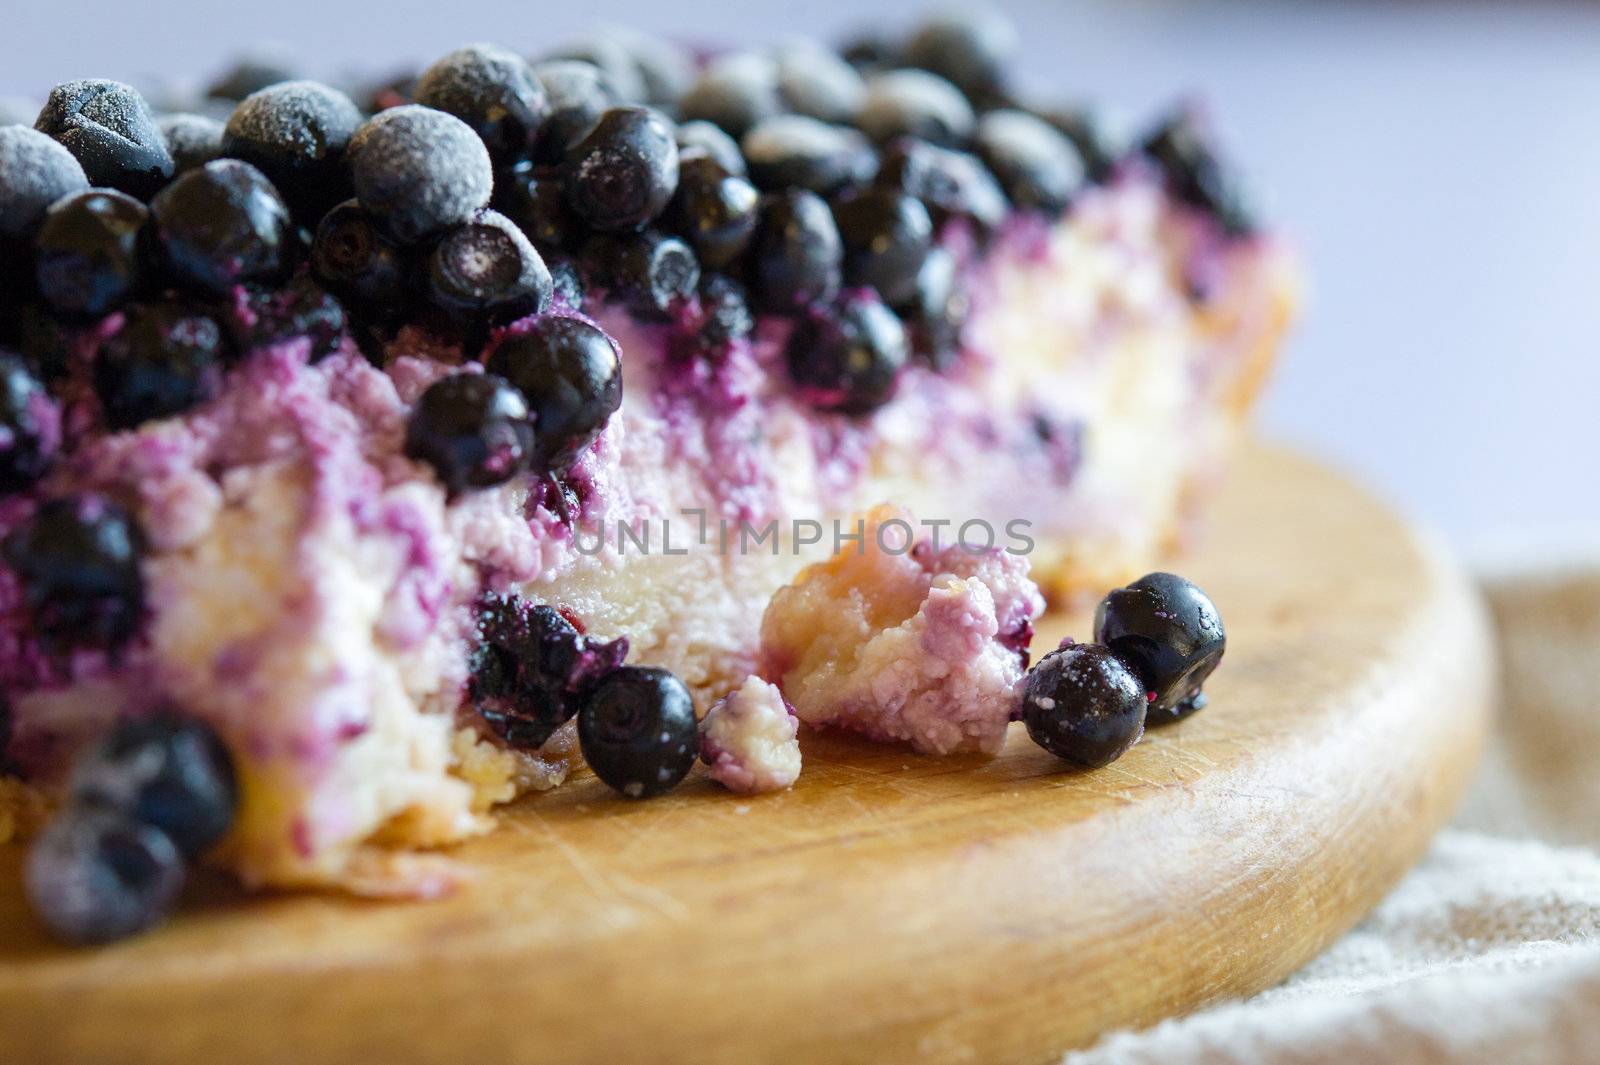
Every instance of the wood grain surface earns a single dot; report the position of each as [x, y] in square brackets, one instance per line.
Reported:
[890, 907]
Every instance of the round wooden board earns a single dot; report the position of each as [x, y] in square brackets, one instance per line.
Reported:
[889, 907]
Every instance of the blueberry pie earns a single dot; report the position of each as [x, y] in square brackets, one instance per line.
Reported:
[371, 457]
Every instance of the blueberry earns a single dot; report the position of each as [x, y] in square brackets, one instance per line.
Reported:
[795, 151]
[78, 561]
[193, 140]
[300, 309]
[248, 75]
[725, 310]
[86, 255]
[818, 83]
[571, 376]
[35, 172]
[168, 772]
[701, 138]
[797, 256]
[94, 875]
[1170, 635]
[915, 103]
[30, 425]
[222, 225]
[472, 429]
[972, 47]
[493, 91]
[1099, 141]
[1194, 173]
[638, 731]
[578, 94]
[1037, 165]
[534, 200]
[296, 133]
[354, 256]
[665, 68]
[713, 211]
[485, 270]
[936, 313]
[848, 357]
[950, 184]
[1082, 704]
[734, 92]
[623, 172]
[532, 668]
[420, 170]
[614, 60]
[163, 361]
[886, 237]
[869, 50]
[109, 127]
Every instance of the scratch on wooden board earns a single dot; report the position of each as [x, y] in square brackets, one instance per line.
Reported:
[614, 886]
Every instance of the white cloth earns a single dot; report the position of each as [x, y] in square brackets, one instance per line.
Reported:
[1489, 951]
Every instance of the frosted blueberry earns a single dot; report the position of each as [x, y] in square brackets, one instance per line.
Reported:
[973, 47]
[578, 93]
[614, 58]
[35, 172]
[796, 151]
[818, 83]
[915, 103]
[110, 129]
[193, 140]
[699, 137]
[1036, 164]
[420, 170]
[296, 133]
[95, 875]
[735, 92]
[493, 91]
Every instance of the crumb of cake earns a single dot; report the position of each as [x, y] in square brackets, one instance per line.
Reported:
[376, 873]
[749, 738]
[498, 774]
[924, 645]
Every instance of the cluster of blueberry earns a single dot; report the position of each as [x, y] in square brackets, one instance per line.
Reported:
[535, 670]
[799, 181]
[1156, 642]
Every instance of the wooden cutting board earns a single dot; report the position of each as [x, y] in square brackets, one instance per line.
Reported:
[890, 907]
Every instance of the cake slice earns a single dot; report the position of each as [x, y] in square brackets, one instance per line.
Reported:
[379, 440]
